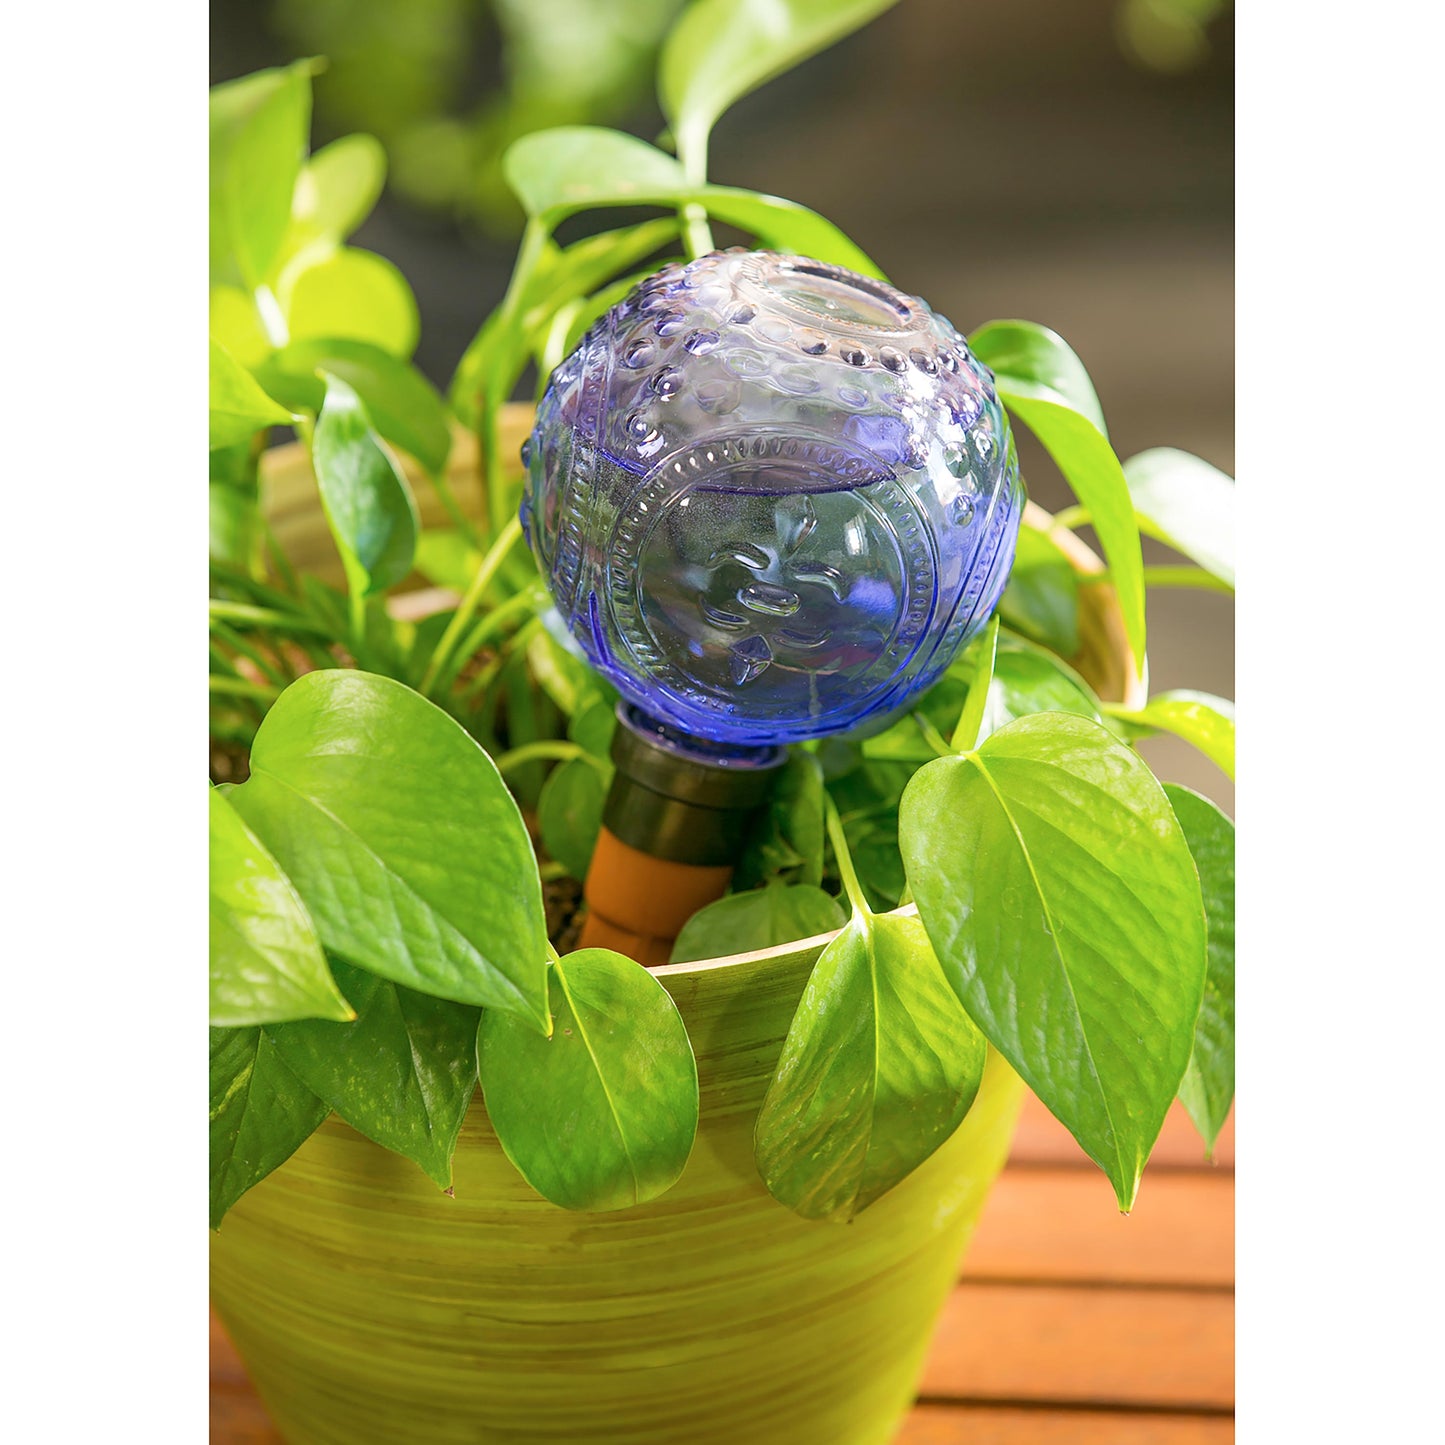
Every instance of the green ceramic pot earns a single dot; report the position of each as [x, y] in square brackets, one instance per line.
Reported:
[370, 1309]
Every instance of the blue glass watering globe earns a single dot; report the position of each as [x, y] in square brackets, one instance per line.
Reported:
[772, 499]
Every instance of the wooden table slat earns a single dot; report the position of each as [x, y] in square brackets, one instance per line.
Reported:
[1084, 1345]
[1062, 1225]
[1005, 1425]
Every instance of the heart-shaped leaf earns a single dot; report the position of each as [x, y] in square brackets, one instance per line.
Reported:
[352, 295]
[1084, 456]
[601, 1115]
[400, 401]
[1042, 596]
[335, 192]
[720, 50]
[1208, 1088]
[786, 839]
[239, 408]
[402, 840]
[402, 1074]
[261, 1114]
[368, 502]
[569, 812]
[879, 1067]
[259, 128]
[266, 960]
[1061, 897]
[1028, 680]
[1186, 503]
[1030, 360]
[758, 918]
[1201, 719]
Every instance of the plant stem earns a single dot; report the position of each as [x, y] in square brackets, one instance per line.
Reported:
[505, 540]
[1071, 518]
[244, 612]
[255, 656]
[932, 736]
[1186, 577]
[486, 628]
[239, 687]
[970, 717]
[535, 752]
[836, 836]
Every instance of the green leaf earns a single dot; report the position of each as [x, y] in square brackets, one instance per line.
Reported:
[1187, 504]
[592, 727]
[368, 502]
[261, 1114]
[1208, 1087]
[234, 526]
[259, 128]
[577, 167]
[1030, 360]
[266, 960]
[402, 840]
[720, 50]
[239, 408]
[336, 191]
[402, 1074]
[880, 1065]
[354, 295]
[759, 918]
[401, 402]
[1028, 680]
[1086, 459]
[569, 813]
[1060, 895]
[236, 325]
[602, 1115]
[1042, 596]
[1204, 721]
[783, 225]
[786, 839]
[446, 558]
[558, 172]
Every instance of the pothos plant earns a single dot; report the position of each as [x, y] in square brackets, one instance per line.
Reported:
[378, 934]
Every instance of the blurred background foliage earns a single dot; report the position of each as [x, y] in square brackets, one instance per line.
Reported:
[1068, 161]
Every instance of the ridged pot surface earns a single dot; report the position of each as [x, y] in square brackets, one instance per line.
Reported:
[370, 1309]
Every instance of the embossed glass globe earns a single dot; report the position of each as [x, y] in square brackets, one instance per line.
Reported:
[771, 498]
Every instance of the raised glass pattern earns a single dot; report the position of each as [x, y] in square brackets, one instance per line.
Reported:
[771, 498]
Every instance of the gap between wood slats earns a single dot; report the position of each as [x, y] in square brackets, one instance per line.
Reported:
[1041, 1139]
[1059, 1224]
[1009, 1425]
[1069, 1345]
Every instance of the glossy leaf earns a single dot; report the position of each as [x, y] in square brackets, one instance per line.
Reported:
[602, 1115]
[239, 408]
[786, 839]
[261, 1114]
[259, 127]
[1186, 503]
[336, 191]
[1208, 1087]
[446, 558]
[1062, 900]
[879, 1067]
[236, 325]
[558, 172]
[1042, 596]
[569, 813]
[1030, 360]
[1087, 461]
[401, 402]
[368, 502]
[577, 167]
[1028, 680]
[758, 918]
[402, 839]
[1201, 719]
[354, 295]
[720, 50]
[266, 960]
[592, 727]
[402, 1074]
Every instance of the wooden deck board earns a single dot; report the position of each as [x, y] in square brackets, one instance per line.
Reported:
[1072, 1324]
